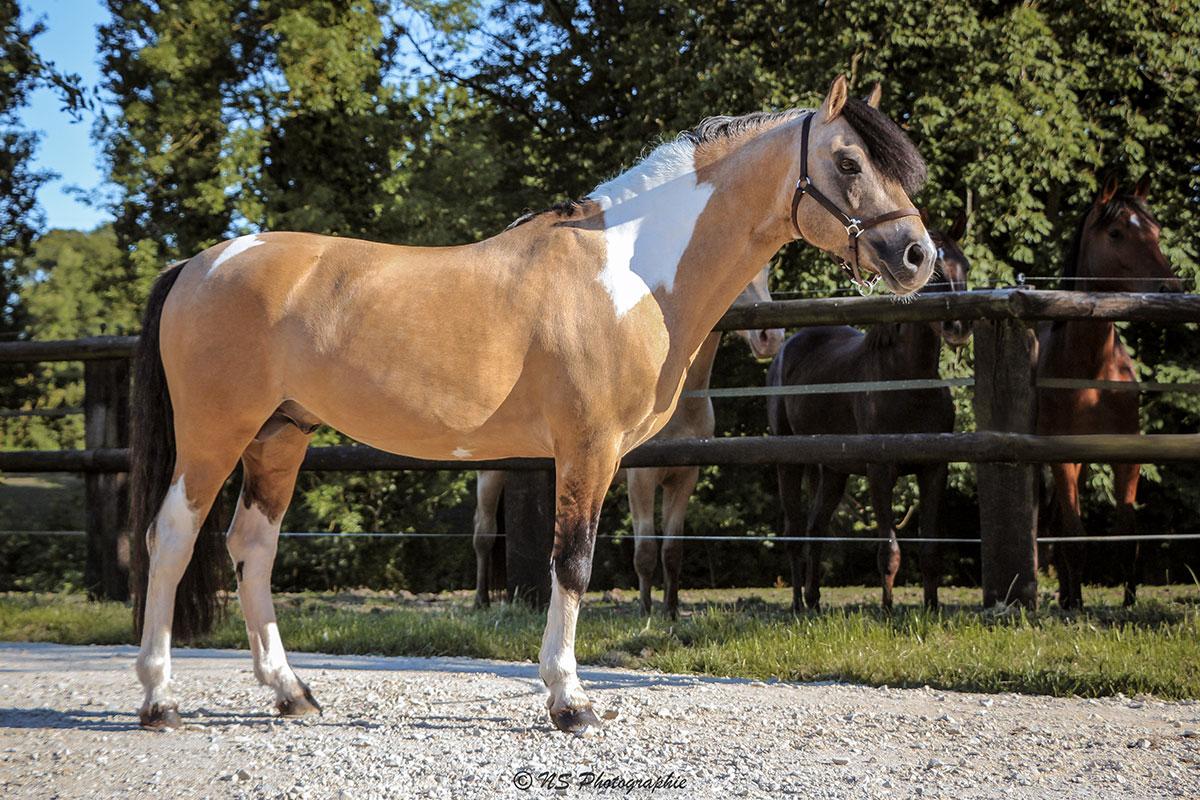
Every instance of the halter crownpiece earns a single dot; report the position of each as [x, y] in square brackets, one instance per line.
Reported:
[854, 227]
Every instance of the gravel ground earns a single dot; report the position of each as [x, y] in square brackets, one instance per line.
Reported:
[450, 727]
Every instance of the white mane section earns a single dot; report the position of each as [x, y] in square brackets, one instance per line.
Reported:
[650, 213]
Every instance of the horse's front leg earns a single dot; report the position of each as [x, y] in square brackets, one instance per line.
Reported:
[1125, 481]
[882, 478]
[931, 484]
[489, 486]
[581, 482]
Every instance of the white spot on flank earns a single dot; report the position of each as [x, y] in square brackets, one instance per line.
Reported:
[461, 452]
[234, 249]
[650, 214]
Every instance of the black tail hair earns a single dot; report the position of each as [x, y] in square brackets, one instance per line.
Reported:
[152, 462]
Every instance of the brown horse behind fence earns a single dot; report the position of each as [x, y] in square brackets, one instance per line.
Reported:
[1115, 250]
[841, 354]
[568, 335]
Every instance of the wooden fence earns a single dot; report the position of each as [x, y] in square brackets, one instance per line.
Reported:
[1004, 447]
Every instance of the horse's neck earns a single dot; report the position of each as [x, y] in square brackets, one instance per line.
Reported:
[743, 225]
[908, 349]
[699, 374]
[1088, 346]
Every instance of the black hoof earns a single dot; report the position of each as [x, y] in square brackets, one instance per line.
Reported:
[576, 720]
[158, 718]
[299, 706]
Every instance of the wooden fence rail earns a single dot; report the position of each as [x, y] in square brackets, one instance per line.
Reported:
[1004, 447]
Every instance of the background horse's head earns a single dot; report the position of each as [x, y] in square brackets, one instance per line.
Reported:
[1116, 247]
[764, 342]
[950, 272]
[865, 165]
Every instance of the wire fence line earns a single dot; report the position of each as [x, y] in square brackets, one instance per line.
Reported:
[1159, 537]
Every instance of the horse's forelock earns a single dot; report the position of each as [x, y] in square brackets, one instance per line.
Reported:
[891, 151]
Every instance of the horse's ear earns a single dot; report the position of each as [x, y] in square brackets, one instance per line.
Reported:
[1142, 189]
[875, 96]
[835, 101]
[959, 228]
[1108, 191]
[924, 217]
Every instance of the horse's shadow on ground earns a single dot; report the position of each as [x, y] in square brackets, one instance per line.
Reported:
[50, 718]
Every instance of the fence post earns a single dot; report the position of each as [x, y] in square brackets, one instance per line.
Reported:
[1005, 364]
[529, 531]
[106, 424]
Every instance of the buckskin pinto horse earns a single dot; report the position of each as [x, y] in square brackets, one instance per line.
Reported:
[1115, 249]
[693, 418]
[573, 333]
[886, 352]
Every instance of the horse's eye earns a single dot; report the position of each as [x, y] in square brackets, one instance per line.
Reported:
[848, 166]
[1113, 233]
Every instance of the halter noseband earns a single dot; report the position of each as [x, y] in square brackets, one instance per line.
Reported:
[854, 227]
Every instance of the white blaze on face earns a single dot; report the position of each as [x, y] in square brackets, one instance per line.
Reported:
[650, 214]
[234, 249]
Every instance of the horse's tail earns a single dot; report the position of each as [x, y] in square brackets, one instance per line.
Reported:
[152, 462]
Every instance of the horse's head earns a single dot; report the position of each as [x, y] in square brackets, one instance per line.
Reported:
[1117, 246]
[862, 168]
[765, 342]
[950, 272]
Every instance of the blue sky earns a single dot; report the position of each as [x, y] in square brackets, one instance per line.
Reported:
[66, 147]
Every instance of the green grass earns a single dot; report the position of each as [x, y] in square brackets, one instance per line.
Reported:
[1150, 648]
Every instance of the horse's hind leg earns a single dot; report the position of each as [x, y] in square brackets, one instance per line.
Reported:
[643, 486]
[488, 487]
[830, 488]
[677, 491]
[270, 469]
[931, 483]
[1125, 481]
[194, 486]
[883, 479]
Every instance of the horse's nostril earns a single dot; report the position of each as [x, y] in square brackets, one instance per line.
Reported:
[914, 256]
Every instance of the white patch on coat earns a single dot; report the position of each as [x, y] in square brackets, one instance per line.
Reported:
[1134, 221]
[461, 452]
[234, 249]
[650, 214]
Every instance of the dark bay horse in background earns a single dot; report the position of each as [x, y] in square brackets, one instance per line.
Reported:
[567, 336]
[693, 418]
[841, 354]
[1116, 249]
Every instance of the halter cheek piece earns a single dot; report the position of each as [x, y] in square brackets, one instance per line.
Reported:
[854, 227]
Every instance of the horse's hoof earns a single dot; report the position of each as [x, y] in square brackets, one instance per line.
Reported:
[576, 720]
[158, 718]
[299, 705]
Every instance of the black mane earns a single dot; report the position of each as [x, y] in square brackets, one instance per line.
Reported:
[1108, 214]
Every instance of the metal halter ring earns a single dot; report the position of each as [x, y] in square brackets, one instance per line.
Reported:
[853, 229]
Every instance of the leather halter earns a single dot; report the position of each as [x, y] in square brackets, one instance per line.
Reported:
[854, 227]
